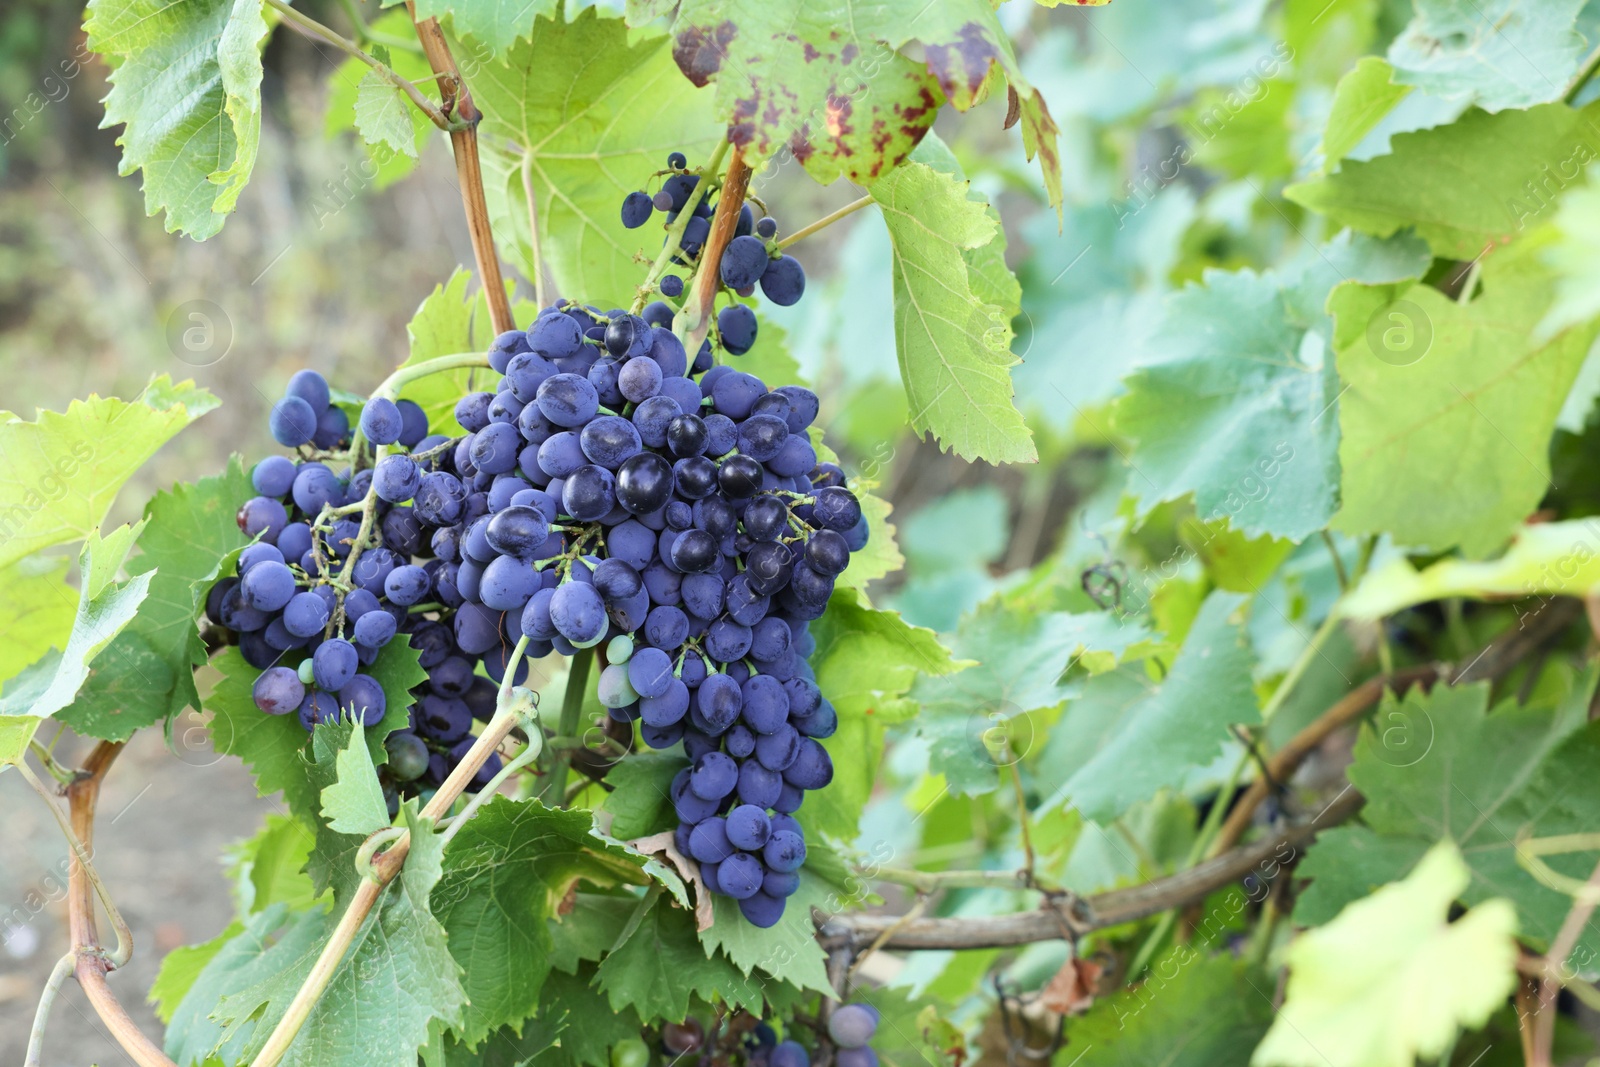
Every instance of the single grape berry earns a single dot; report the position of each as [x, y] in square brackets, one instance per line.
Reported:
[672, 285]
[743, 262]
[767, 227]
[636, 210]
[736, 326]
[677, 161]
[784, 281]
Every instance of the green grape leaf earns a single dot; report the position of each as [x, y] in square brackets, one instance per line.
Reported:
[1023, 661]
[1180, 724]
[639, 802]
[954, 348]
[37, 610]
[1364, 96]
[397, 969]
[191, 535]
[592, 1026]
[588, 930]
[1443, 765]
[1576, 229]
[1464, 187]
[865, 661]
[595, 113]
[353, 802]
[15, 733]
[1445, 440]
[498, 24]
[181, 967]
[274, 746]
[63, 470]
[787, 951]
[269, 868]
[385, 165]
[1239, 411]
[507, 872]
[104, 610]
[1496, 54]
[1544, 559]
[448, 322]
[660, 966]
[1353, 995]
[192, 1034]
[1219, 1006]
[383, 113]
[186, 88]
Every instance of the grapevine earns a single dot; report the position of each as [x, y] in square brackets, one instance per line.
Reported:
[1106, 579]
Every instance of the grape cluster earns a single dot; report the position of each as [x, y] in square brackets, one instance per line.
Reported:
[851, 1026]
[606, 490]
[316, 595]
[751, 258]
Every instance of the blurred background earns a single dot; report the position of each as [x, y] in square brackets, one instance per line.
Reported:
[319, 268]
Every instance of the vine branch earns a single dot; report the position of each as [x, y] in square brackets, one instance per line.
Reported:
[315, 30]
[708, 273]
[469, 168]
[823, 223]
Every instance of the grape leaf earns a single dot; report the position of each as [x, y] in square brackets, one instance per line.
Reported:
[15, 733]
[37, 610]
[1392, 979]
[353, 802]
[1180, 724]
[383, 113]
[1497, 54]
[785, 952]
[1239, 410]
[498, 24]
[384, 165]
[596, 114]
[865, 661]
[180, 969]
[1444, 765]
[660, 965]
[398, 969]
[104, 610]
[269, 868]
[274, 746]
[192, 1035]
[1190, 1011]
[1446, 443]
[1544, 559]
[829, 79]
[1363, 97]
[640, 802]
[508, 871]
[1577, 228]
[595, 1027]
[1464, 187]
[63, 470]
[1023, 661]
[589, 929]
[954, 347]
[447, 322]
[190, 536]
[186, 88]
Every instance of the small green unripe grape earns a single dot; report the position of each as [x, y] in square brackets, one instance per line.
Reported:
[615, 690]
[306, 677]
[620, 650]
[630, 1053]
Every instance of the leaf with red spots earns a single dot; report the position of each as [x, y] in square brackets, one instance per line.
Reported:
[828, 78]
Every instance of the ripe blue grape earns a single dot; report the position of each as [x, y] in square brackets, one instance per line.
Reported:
[374, 629]
[578, 614]
[333, 664]
[748, 827]
[278, 690]
[739, 876]
[784, 281]
[362, 699]
[396, 479]
[273, 476]
[736, 327]
[292, 422]
[381, 422]
[636, 210]
[852, 1025]
[743, 262]
[708, 841]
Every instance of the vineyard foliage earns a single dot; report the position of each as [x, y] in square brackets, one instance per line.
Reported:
[1228, 697]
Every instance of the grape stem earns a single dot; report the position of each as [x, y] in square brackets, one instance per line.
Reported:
[695, 317]
[316, 31]
[512, 707]
[823, 223]
[708, 183]
[571, 711]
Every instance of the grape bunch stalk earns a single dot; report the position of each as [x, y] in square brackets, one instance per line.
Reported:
[605, 491]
